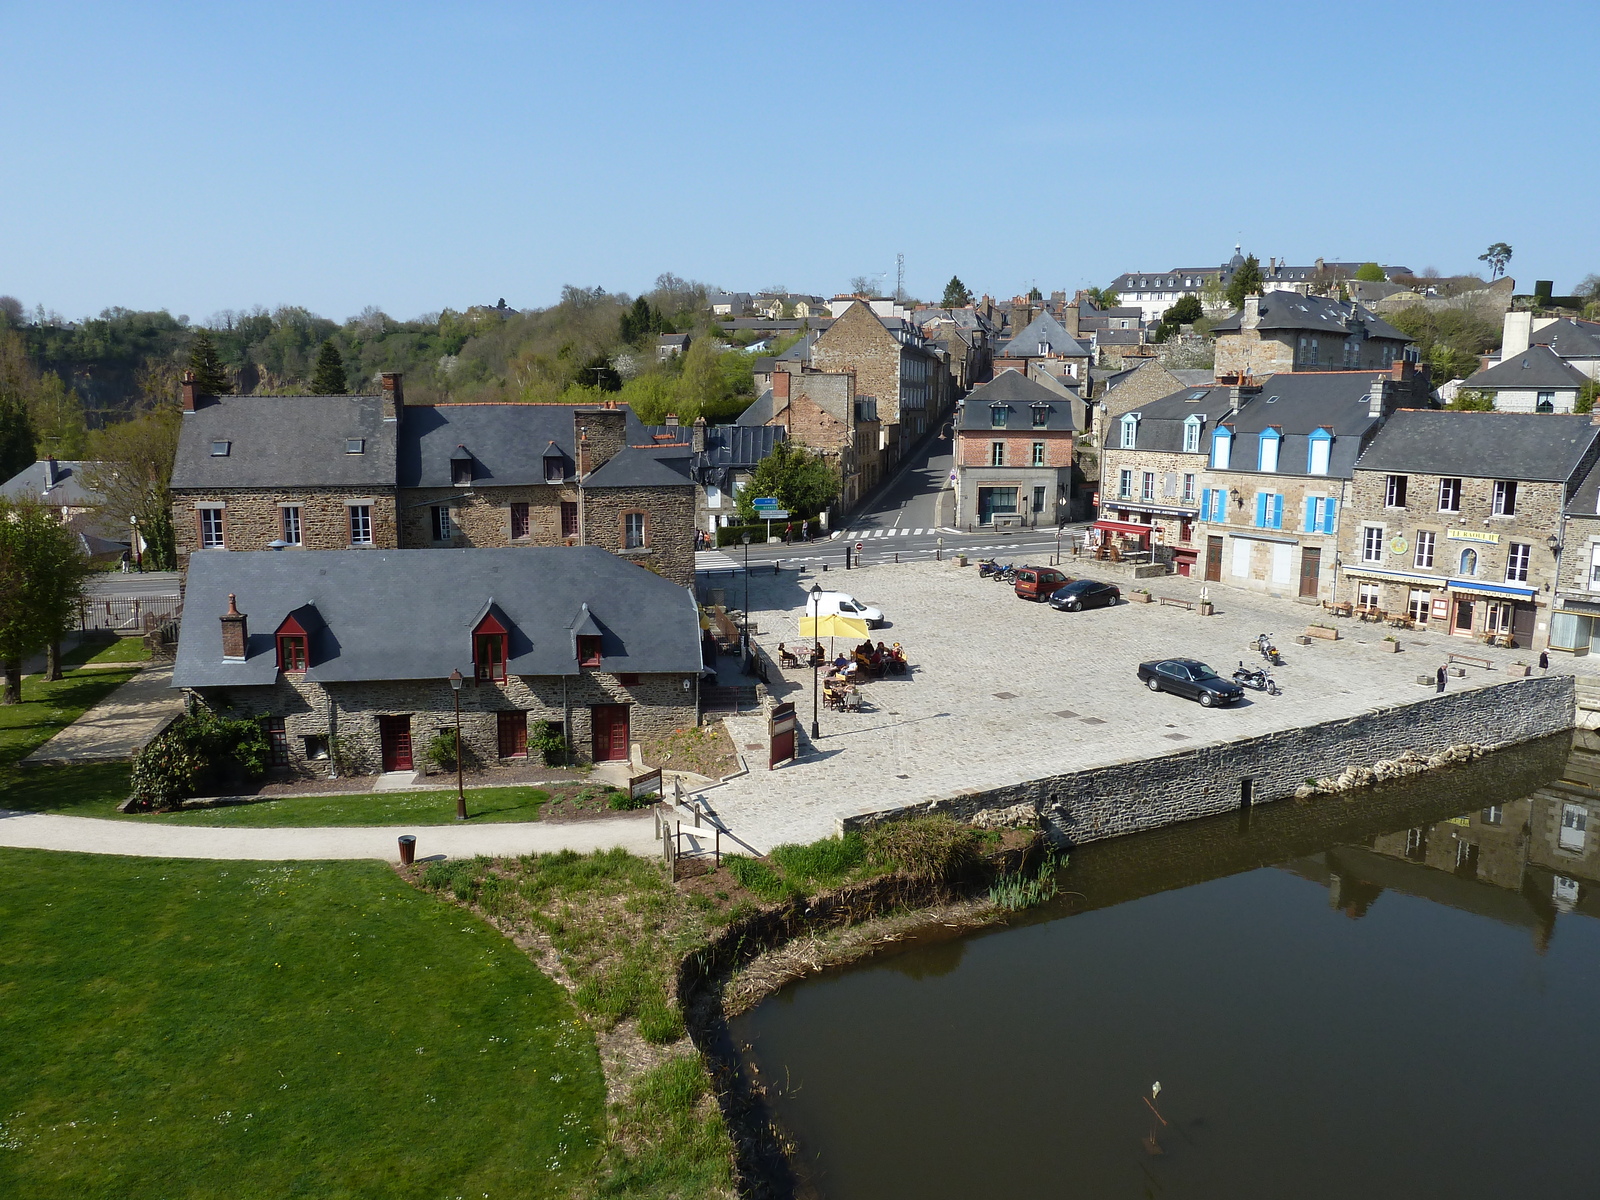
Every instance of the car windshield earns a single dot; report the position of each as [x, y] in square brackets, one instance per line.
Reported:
[1200, 671]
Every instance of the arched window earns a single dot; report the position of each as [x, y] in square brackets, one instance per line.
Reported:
[1469, 562]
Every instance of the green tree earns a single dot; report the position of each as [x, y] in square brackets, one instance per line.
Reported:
[17, 382]
[1213, 296]
[210, 378]
[804, 482]
[1472, 400]
[956, 294]
[1186, 311]
[1497, 256]
[1103, 298]
[1587, 395]
[42, 573]
[58, 422]
[328, 378]
[132, 471]
[1246, 281]
[1371, 273]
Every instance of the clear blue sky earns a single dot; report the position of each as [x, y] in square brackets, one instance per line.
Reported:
[207, 156]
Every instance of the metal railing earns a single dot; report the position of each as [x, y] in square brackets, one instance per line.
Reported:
[128, 614]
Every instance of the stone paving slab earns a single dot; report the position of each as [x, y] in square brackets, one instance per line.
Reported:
[117, 727]
[1003, 690]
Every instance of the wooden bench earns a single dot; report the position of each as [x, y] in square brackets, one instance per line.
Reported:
[1176, 602]
[1473, 660]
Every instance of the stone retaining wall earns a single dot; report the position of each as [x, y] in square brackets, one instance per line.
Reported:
[1148, 793]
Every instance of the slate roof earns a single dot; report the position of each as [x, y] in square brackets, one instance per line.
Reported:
[1019, 394]
[408, 614]
[68, 492]
[1536, 367]
[760, 410]
[644, 466]
[1161, 422]
[285, 441]
[1482, 445]
[1585, 500]
[1043, 328]
[1298, 403]
[1311, 314]
[507, 442]
[729, 448]
[1570, 339]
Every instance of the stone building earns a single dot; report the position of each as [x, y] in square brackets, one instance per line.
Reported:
[1453, 519]
[1285, 331]
[722, 460]
[1044, 344]
[1575, 623]
[821, 410]
[1537, 380]
[908, 382]
[1575, 342]
[1014, 455]
[344, 472]
[347, 656]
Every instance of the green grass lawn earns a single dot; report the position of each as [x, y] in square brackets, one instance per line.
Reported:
[123, 650]
[486, 805]
[197, 1029]
[81, 791]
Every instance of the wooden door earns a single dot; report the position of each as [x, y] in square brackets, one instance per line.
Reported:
[513, 730]
[1213, 559]
[610, 723]
[1463, 617]
[1310, 571]
[394, 737]
[1522, 625]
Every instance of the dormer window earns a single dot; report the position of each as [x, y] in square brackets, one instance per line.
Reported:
[461, 467]
[1321, 445]
[588, 651]
[220, 449]
[555, 470]
[1130, 430]
[355, 445]
[1041, 415]
[1267, 450]
[1221, 449]
[293, 646]
[489, 651]
[1191, 434]
[1044, 349]
[997, 416]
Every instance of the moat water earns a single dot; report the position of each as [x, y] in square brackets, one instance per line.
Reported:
[1396, 995]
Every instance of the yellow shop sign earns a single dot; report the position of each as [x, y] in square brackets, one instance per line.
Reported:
[1473, 535]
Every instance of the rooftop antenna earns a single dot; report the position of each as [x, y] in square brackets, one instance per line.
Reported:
[900, 276]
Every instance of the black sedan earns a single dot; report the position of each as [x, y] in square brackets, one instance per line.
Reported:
[1191, 679]
[1084, 593]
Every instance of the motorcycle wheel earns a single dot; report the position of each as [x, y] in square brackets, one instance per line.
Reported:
[1274, 690]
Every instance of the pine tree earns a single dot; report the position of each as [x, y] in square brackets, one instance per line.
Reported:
[956, 294]
[1246, 281]
[327, 379]
[210, 377]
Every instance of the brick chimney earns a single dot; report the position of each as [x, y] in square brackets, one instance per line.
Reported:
[394, 396]
[780, 387]
[188, 391]
[671, 420]
[235, 632]
[1400, 370]
[598, 433]
[698, 438]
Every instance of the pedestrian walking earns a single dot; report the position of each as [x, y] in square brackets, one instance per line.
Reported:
[788, 533]
[1544, 660]
[1439, 678]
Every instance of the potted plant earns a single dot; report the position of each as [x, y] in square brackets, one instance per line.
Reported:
[1326, 632]
[1140, 595]
[1390, 644]
[1518, 669]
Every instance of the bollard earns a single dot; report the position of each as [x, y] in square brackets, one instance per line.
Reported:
[408, 849]
[897, 556]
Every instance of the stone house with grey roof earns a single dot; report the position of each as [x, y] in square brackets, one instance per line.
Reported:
[356, 472]
[1454, 520]
[723, 458]
[821, 410]
[1284, 331]
[1535, 380]
[347, 656]
[1044, 343]
[1575, 615]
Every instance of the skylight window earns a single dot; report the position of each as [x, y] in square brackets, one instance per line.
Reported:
[220, 449]
[355, 445]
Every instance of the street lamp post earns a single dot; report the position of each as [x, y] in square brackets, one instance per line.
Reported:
[461, 792]
[138, 546]
[746, 635]
[816, 608]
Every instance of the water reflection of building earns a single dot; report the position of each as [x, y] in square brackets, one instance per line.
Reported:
[1521, 863]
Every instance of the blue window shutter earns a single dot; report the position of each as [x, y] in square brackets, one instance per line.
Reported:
[1261, 510]
[1205, 504]
[1309, 525]
[1329, 507]
[1277, 512]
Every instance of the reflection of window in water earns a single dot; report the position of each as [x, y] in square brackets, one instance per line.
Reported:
[1416, 843]
[1492, 815]
[1564, 893]
[1574, 824]
[1466, 858]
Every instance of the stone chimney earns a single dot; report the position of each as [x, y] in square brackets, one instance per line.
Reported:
[50, 473]
[670, 420]
[1069, 317]
[599, 434]
[1400, 370]
[698, 438]
[188, 391]
[1517, 334]
[1383, 395]
[1252, 313]
[235, 632]
[394, 396]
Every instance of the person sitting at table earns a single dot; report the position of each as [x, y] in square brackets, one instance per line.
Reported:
[787, 658]
[865, 649]
[840, 663]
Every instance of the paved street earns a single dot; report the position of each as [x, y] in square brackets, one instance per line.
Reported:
[1004, 690]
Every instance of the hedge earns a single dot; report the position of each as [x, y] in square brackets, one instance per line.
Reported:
[732, 535]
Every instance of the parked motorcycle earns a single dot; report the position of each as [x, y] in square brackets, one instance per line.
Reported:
[988, 568]
[1268, 650]
[1261, 681]
[1008, 574]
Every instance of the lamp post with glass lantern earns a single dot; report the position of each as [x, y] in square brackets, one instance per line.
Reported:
[746, 634]
[816, 608]
[461, 793]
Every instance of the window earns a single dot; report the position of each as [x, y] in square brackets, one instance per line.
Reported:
[555, 470]
[633, 531]
[355, 445]
[289, 518]
[1493, 815]
[1424, 557]
[1038, 499]
[1372, 543]
[1038, 454]
[442, 529]
[1594, 569]
[1367, 596]
[1221, 449]
[519, 520]
[1269, 510]
[211, 536]
[1505, 497]
[1574, 826]
[1130, 430]
[997, 454]
[1041, 415]
[628, 679]
[1394, 492]
[489, 653]
[1469, 562]
[316, 747]
[1191, 435]
[1418, 605]
[291, 652]
[220, 449]
[1317, 456]
[1267, 450]
[1125, 486]
[361, 525]
[461, 472]
[1497, 616]
[1211, 504]
[1449, 495]
[997, 416]
[277, 743]
[1320, 512]
[1147, 486]
[1546, 403]
[588, 651]
[1517, 556]
[512, 731]
[1188, 489]
[569, 518]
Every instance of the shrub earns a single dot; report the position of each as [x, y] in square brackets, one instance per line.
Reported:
[627, 802]
[441, 751]
[546, 740]
[824, 862]
[201, 749]
[927, 847]
[756, 876]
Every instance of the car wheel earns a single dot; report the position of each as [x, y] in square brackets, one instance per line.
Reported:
[1153, 684]
[1207, 700]
[1073, 606]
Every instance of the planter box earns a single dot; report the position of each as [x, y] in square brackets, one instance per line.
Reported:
[1207, 608]
[1302, 640]
[1427, 681]
[1518, 670]
[1318, 631]
[1139, 597]
[1389, 647]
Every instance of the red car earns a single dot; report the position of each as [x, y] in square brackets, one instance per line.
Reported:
[1038, 583]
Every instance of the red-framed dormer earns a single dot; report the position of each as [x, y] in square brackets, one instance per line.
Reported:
[294, 646]
[490, 647]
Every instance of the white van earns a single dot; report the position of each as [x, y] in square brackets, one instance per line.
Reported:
[828, 603]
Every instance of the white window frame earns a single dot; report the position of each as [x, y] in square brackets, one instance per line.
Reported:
[213, 535]
[1394, 491]
[1130, 431]
[1125, 484]
[1452, 492]
[1425, 538]
[1594, 568]
[1368, 596]
[1191, 435]
[1505, 498]
[1221, 450]
[1519, 556]
[360, 522]
[1267, 446]
[1147, 486]
[290, 525]
[443, 528]
[1372, 537]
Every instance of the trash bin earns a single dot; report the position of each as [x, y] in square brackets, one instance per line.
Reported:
[408, 849]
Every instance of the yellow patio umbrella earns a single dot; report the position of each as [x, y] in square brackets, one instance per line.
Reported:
[832, 625]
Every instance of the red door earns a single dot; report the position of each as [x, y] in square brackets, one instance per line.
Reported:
[513, 729]
[610, 723]
[394, 736]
